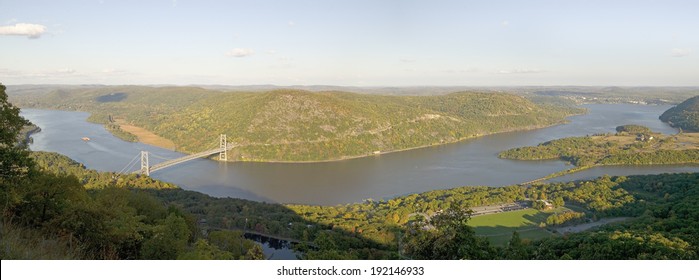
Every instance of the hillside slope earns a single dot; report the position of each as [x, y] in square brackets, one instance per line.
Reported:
[294, 125]
[685, 115]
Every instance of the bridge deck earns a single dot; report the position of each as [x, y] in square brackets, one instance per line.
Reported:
[186, 158]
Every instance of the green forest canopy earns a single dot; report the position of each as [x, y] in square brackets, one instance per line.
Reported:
[86, 214]
[634, 145]
[371, 229]
[685, 115]
[294, 125]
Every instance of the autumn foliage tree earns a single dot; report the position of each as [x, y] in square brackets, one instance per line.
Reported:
[446, 235]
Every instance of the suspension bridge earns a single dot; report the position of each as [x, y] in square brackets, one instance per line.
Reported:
[147, 169]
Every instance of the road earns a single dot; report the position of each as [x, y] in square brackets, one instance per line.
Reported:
[586, 226]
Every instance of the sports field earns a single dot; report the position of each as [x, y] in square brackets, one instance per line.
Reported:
[498, 227]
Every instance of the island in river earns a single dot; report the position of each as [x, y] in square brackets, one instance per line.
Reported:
[631, 145]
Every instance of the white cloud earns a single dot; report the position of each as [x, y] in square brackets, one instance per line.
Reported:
[65, 71]
[112, 71]
[677, 52]
[456, 71]
[291, 23]
[272, 52]
[520, 71]
[30, 30]
[39, 73]
[10, 73]
[407, 60]
[505, 23]
[240, 52]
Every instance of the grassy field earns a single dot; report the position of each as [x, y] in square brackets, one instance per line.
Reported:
[145, 136]
[498, 227]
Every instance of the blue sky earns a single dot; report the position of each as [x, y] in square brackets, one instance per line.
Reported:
[351, 43]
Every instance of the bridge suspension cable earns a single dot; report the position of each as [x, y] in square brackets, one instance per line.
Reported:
[129, 165]
[146, 168]
[157, 156]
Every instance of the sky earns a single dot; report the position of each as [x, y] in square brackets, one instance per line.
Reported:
[350, 43]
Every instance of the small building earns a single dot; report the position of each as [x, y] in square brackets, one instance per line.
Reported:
[644, 138]
[547, 204]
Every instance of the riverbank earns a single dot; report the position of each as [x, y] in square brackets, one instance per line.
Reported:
[26, 133]
[145, 136]
[583, 168]
[620, 149]
[379, 153]
[471, 162]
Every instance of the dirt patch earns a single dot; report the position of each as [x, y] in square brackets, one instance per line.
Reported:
[145, 136]
[586, 226]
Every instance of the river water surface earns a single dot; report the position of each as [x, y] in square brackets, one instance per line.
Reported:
[471, 162]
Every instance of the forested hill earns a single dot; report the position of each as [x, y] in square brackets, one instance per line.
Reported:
[632, 145]
[685, 115]
[294, 125]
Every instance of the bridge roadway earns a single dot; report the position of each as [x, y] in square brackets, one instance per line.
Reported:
[172, 162]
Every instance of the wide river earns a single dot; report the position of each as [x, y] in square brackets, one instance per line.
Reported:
[471, 162]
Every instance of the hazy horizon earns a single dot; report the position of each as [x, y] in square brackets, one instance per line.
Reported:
[350, 43]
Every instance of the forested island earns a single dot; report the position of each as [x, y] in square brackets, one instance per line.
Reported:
[684, 116]
[295, 125]
[631, 145]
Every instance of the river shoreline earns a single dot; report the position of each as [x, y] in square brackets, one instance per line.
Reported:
[143, 135]
[587, 167]
[27, 134]
[468, 163]
[168, 144]
[528, 128]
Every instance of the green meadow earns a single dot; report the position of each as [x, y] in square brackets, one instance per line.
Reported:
[498, 227]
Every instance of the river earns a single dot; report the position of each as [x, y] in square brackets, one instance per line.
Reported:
[471, 162]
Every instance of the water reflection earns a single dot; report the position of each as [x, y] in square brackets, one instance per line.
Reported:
[274, 249]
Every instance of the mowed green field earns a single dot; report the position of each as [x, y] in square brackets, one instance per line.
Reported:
[498, 227]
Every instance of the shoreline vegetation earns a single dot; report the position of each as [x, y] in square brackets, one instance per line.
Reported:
[684, 116]
[631, 145]
[50, 199]
[132, 133]
[144, 136]
[26, 134]
[294, 126]
[371, 229]
[408, 149]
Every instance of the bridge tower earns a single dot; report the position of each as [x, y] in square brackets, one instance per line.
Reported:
[145, 168]
[223, 155]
